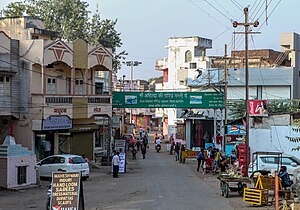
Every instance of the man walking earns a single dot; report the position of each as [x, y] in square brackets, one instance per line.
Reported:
[116, 163]
[177, 148]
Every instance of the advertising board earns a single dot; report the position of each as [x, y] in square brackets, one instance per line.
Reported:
[65, 191]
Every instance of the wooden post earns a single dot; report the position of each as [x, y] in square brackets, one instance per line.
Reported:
[276, 191]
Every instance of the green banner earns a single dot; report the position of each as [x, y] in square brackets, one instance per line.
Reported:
[213, 100]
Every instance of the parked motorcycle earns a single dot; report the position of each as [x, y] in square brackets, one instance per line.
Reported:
[49, 197]
[158, 147]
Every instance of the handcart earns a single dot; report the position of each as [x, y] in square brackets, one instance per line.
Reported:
[233, 184]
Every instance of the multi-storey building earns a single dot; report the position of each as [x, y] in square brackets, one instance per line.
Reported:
[53, 90]
[273, 75]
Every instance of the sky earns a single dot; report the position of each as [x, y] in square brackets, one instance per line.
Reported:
[146, 25]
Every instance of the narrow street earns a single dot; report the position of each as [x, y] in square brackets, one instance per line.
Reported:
[157, 182]
[165, 184]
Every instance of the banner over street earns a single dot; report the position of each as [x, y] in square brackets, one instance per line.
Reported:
[207, 100]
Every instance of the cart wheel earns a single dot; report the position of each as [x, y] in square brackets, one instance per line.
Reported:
[241, 188]
[226, 190]
[222, 188]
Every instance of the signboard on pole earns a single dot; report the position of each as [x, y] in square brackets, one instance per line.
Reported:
[120, 144]
[212, 100]
[65, 190]
[122, 166]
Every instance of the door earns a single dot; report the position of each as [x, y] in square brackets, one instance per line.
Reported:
[45, 167]
[63, 143]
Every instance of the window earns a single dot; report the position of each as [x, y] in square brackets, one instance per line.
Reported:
[188, 56]
[49, 160]
[22, 174]
[68, 85]
[268, 160]
[59, 160]
[4, 85]
[79, 86]
[51, 85]
[101, 74]
[193, 65]
[99, 88]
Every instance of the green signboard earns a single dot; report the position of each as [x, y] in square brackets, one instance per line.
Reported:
[213, 100]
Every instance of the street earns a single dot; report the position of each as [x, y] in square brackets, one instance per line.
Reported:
[157, 182]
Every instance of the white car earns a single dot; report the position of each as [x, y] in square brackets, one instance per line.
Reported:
[270, 163]
[63, 163]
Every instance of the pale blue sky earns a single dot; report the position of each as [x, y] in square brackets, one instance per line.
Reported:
[146, 25]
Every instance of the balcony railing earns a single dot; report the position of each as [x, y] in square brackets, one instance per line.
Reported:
[69, 100]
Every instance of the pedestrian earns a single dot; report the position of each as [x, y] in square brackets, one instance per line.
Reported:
[217, 160]
[172, 148]
[200, 159]
[181, 159]
[145, 141]
[85, 158]
[284, 176]
[138, 144]
[116, 163]
[133, 154]
[223, 166]
[48, 148]
[143, 149]
[177, 149]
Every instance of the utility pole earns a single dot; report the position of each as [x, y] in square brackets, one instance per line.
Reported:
[123, 109]
[225, 95]
[246, 24]
[131, 64]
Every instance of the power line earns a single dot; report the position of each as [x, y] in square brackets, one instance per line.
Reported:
[217, 10]
[209, 15]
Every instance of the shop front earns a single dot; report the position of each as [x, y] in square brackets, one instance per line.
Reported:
[83, 138]
[52, 136]
[199, 132]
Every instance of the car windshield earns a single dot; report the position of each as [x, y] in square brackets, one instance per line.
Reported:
[78, 160]
[292, 159]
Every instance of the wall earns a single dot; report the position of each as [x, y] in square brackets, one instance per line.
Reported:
[273, 139]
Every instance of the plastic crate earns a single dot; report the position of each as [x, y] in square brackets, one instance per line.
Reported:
[256, 196]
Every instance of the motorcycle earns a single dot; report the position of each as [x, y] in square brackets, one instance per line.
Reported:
[158, 147]
[49, 197]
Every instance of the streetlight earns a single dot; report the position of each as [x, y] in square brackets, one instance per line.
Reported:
[131, 64]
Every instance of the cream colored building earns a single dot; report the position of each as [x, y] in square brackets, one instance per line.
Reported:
[50, 91]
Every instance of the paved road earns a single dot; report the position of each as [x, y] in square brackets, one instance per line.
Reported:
[158, 182]
[170, 185]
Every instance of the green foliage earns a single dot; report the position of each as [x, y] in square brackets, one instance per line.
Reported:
[156, 79]
[296, 128]
[71, 19]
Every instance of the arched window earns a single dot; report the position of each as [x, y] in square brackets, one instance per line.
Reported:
[188, 56]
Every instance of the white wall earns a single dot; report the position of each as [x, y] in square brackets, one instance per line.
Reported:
[273, 139]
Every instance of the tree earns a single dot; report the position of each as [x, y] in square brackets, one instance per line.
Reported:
[295, 128]
[71, 19]
[104, 32]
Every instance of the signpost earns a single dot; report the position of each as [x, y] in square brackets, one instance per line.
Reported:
[213, 100]
[122, 166]
[66, 191]
[120, 144]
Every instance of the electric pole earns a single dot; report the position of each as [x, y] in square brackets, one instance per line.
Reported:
[246, 24]
[131, 64]
[225, 95]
